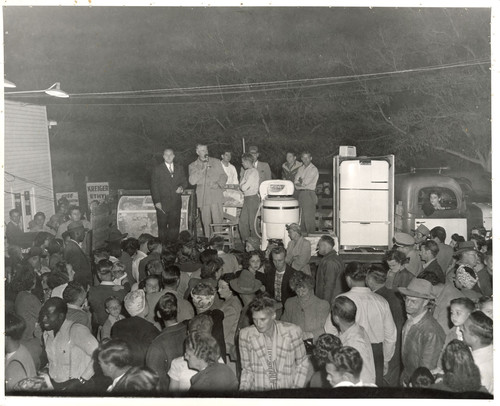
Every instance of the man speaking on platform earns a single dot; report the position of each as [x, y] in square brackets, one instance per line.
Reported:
[167, 184]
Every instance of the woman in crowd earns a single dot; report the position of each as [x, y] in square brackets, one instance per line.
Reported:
[202, 354]
[232, 311]
[306, 310]
[253, 261]
[460, 372]
[398, 276]
[326, 344]
[58, 279]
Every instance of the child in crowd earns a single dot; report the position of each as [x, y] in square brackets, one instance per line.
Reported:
[152, 284]
[120, 275]
[113, 307]
[485, 304]
[460, 310]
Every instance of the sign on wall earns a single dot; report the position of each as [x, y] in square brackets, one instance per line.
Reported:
[71, 196]
[98, 191]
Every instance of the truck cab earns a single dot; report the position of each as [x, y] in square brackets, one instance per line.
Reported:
[414, 193]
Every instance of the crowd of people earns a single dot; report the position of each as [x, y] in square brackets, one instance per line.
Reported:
[170, 314]
[147, 317]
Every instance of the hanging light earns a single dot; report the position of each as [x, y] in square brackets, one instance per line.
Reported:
[54, 90]
[8, 84]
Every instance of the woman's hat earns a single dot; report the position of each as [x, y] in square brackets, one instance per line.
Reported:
[418, 288]
[464, 247]
[245, 283]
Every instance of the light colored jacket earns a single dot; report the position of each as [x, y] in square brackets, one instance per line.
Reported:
[298, 254]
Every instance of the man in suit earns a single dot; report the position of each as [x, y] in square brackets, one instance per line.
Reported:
[432, 271]
[115, 359]
[444, 256]
[14, 228]
[74, 254]
[277, 278]
[286, 365]
[262, 167]
[210, 180]
[330, 271]
[167, 184]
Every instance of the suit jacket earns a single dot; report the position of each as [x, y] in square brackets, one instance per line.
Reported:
[444, 256]
[298, 254]
[80, 262]
[291, 358]
[264, 171]
[210, 182]
[433, 268]
[164, 184]
[286, 290]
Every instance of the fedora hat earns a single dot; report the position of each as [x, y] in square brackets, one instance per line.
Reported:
[422, 230]
[418, 288]
[245, 283]
[115, 235]
[464, 247]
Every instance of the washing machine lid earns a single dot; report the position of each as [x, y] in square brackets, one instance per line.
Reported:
[276, 187]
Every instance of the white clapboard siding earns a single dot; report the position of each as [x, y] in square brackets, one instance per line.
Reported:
[27, 156]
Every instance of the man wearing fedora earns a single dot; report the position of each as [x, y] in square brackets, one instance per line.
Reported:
[273, 355]
[74, 254]
[422, 336]
[406, 244]
[422, 233]
[168, 181]
[246, 285]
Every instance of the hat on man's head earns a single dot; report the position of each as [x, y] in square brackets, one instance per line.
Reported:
[403, 239]
[253, 148]
[245, 283]
[76, 225]
[295, 227]
[464, 247]
[135, 302]
[254, 242]
[418, 288]
[35, 252]
[115, 235]
[422, 230]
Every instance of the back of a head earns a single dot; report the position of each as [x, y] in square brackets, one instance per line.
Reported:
[171, 275]
[217, 242]
[115, 351]
[208, 255]
[347, 360]
[356, 271]
[140, 379]
[14, 326]
[73, 293]
[439, 232]
[460, 371]
[201, 322]
[24, 278]
[154, 267]
[203, 289]
[209, 270]
[168, 258]
[104, 267]
[130, 245]
[345, 309]
[421, 378]
[167, 307]
[204, 346]
[377, 274]
[482, 327]
[325, 345]
[144, 238]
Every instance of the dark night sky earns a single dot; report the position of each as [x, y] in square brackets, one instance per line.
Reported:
[105, 49]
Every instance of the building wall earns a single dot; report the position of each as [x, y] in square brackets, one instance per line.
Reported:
[27, 159]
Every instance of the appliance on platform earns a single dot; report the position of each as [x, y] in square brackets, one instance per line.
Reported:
[277, 209]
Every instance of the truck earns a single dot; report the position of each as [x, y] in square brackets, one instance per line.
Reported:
[371, 203]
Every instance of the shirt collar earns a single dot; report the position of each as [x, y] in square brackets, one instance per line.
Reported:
[115, 381]
[107, 283]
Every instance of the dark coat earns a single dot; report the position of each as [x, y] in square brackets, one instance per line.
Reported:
[432, 273]
[422, 346]
[138, 333]
[396, 305]
[268, 281]
[164, 184]
[329, 277]
[80, 262]
[96, 298]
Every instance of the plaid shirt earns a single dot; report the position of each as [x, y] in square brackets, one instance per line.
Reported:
[291, 358]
